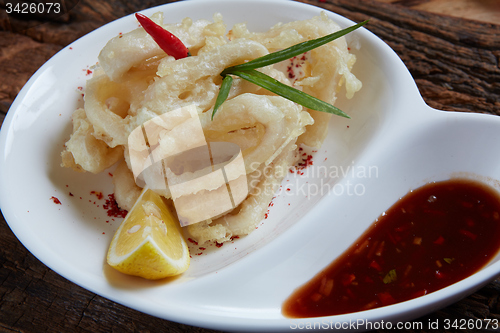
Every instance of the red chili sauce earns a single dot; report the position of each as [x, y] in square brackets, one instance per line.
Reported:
[431, 238]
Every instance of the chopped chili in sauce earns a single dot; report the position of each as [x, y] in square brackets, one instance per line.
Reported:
[431, 238]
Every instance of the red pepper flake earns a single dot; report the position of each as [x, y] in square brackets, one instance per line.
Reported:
[291, 74]
[468, 234]
[97, 194]
[110, 174]
[218, 244]
[304, 163]
[80, 88]
[71, 194]
[103, 233]
[88, 71]
[193, 241]
[202, 248]
[70, 48]
[56, 201]
[112, 207]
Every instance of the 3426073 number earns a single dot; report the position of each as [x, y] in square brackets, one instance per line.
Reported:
[33, 8]
[471, 324]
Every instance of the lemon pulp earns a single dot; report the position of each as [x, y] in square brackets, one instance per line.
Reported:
[149, 242]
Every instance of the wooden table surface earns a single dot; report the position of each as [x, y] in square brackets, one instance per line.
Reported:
[454, 61]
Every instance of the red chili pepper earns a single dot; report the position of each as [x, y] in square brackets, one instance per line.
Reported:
[167, 41]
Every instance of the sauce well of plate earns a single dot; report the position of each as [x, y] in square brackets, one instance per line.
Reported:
[431, 238]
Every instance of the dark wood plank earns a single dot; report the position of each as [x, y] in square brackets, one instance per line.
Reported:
[456, 66]
[479, 10]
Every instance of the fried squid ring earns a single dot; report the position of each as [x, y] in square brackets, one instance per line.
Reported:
[330, 65]
[83, 152]
[271, 122]
[133, 48]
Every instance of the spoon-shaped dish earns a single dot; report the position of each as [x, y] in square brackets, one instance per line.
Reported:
[392, 144]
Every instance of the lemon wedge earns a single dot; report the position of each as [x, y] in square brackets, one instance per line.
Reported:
[149, 242]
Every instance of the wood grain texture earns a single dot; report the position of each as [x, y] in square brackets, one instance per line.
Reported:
[455, 62]
[479, 10]
[456, 66]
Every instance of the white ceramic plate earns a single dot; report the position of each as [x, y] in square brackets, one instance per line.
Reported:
[397, 140]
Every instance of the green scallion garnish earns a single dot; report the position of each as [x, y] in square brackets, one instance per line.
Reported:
[247, 72]
[223, 93]
[288, 92]
[292, 51]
